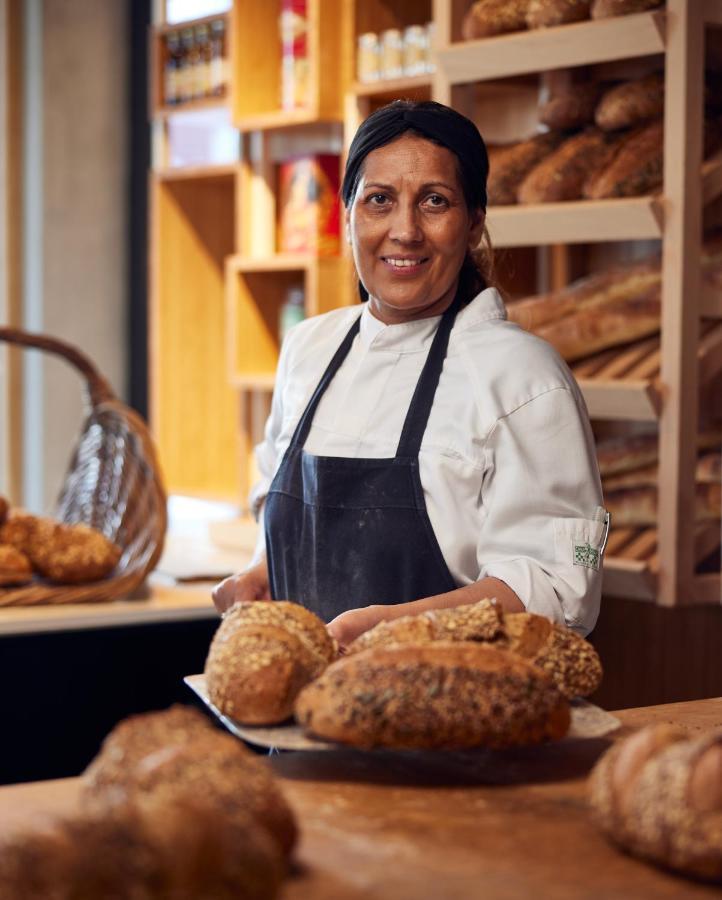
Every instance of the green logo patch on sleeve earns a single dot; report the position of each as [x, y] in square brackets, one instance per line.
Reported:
[586, 555]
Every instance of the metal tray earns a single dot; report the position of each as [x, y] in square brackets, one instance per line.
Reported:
[588, 721]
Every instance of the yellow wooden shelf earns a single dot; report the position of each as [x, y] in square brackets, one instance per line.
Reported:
[279, 262]
[400, 88]
[196, 173]
[578, 222]
[544, 49]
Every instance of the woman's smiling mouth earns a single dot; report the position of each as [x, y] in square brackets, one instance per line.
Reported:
[404, 265]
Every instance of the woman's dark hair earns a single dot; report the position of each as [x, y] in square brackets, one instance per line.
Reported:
[448, 128]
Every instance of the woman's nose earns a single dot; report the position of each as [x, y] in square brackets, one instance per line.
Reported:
[404, 225]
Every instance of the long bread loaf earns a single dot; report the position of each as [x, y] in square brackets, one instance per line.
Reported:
[441, 695]
[636, 168]
[510, 165]
[486, 18]
[632, 103]
[637, 507]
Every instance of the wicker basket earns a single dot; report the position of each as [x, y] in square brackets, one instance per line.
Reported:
[113, 484]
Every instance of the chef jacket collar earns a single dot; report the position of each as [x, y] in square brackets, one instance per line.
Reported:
[409, 337]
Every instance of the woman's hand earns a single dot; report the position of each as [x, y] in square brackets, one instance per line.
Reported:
[252, 584]
[350, 624]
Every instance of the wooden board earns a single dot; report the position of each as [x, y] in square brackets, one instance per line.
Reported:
[588, 721]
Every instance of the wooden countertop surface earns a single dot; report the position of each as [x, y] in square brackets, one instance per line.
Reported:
[452, 826]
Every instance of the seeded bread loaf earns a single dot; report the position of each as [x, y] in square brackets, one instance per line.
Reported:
[605, 9]
[562, 174]
[486, 18]
[510, 165]
[632, 103]
[548, 13]
[572, 108]
[175, 753]
[261, 656]
[636, 168]
[15, 568]
[658, 794]
[595, 328]
[441, 695]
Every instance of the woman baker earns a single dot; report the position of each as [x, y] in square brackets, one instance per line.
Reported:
[423, 452]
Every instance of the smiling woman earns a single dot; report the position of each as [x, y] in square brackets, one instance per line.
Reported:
[426, 453]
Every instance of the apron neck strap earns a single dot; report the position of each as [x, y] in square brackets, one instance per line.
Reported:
[418, 415]
[304, 426]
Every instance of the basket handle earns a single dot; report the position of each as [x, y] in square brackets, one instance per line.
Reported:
[99, 390]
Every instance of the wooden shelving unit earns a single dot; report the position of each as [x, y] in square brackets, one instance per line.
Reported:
[654, 380]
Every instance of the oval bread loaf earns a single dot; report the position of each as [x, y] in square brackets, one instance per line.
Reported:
[486, 18]
[15, 567]
[177, 752]
[549, 13]
[510, 165]
[261, 656]
[442, 695]
[659, 795]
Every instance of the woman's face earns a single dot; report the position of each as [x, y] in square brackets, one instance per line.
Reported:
[410, 229]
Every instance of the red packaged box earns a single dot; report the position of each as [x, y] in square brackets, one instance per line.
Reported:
[308, 205]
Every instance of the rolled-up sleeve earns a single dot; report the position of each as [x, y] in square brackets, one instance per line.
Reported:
[542, 521]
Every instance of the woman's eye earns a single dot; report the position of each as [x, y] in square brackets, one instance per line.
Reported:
[377, 199]
[436, 200]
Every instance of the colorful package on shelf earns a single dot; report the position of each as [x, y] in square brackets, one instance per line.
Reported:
[294, 54]
[309, 214]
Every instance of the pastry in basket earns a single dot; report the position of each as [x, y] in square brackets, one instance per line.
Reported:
[15, 568]
[442, 695]
[570, 661]
[261, 656]
[155, 848]
[176, 753]
[658, 794]
[64, 554]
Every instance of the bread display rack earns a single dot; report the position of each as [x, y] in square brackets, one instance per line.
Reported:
[648, 381]
[113, 484]
[218, 281]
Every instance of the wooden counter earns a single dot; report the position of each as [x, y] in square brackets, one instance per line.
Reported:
[459, 826]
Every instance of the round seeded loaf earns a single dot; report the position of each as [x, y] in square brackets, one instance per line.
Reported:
[443, 695]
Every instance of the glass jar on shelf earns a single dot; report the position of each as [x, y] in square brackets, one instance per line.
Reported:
[171, 68]
[218, 59]
[414, 48]
[292, 312]
[392, 54]
[368, 58]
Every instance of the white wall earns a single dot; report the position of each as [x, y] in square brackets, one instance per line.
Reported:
[77, 201]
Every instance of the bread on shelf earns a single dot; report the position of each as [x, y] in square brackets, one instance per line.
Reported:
[637, 506]
[632, 103]
[571, 108]
[486, 18]
[443, 695]
[635, 168]
[605, 9]
[261, 656]
[510, 166]
[15, 567]
[550, 13]
[658, 795]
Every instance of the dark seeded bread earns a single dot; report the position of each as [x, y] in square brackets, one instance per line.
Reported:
[441, 695]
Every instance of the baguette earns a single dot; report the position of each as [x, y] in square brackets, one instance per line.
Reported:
[593, 290]
[622, 454]
[510, 165]
[637, 507]
[707, 471]
[658, 794]
[605, 9]
[442, 695]
[573, 108]
[570, 661]
[631, 104]
[596, 328]
[489, 17]
[636, 168]
[549, 13]
[562, 174]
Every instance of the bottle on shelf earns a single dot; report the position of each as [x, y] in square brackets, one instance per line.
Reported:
[202, 86]
[294, 54]
[185, 68]
[171, 69]
[218, 59]
[292, 312]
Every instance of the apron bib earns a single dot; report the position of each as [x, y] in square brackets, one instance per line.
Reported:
[343, 533]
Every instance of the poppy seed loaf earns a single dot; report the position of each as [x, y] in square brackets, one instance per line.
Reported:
[442, 695]
[261, 656]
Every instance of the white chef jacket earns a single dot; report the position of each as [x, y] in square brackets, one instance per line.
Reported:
[507, 462]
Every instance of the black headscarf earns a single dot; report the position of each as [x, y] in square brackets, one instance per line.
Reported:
[441, 125]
